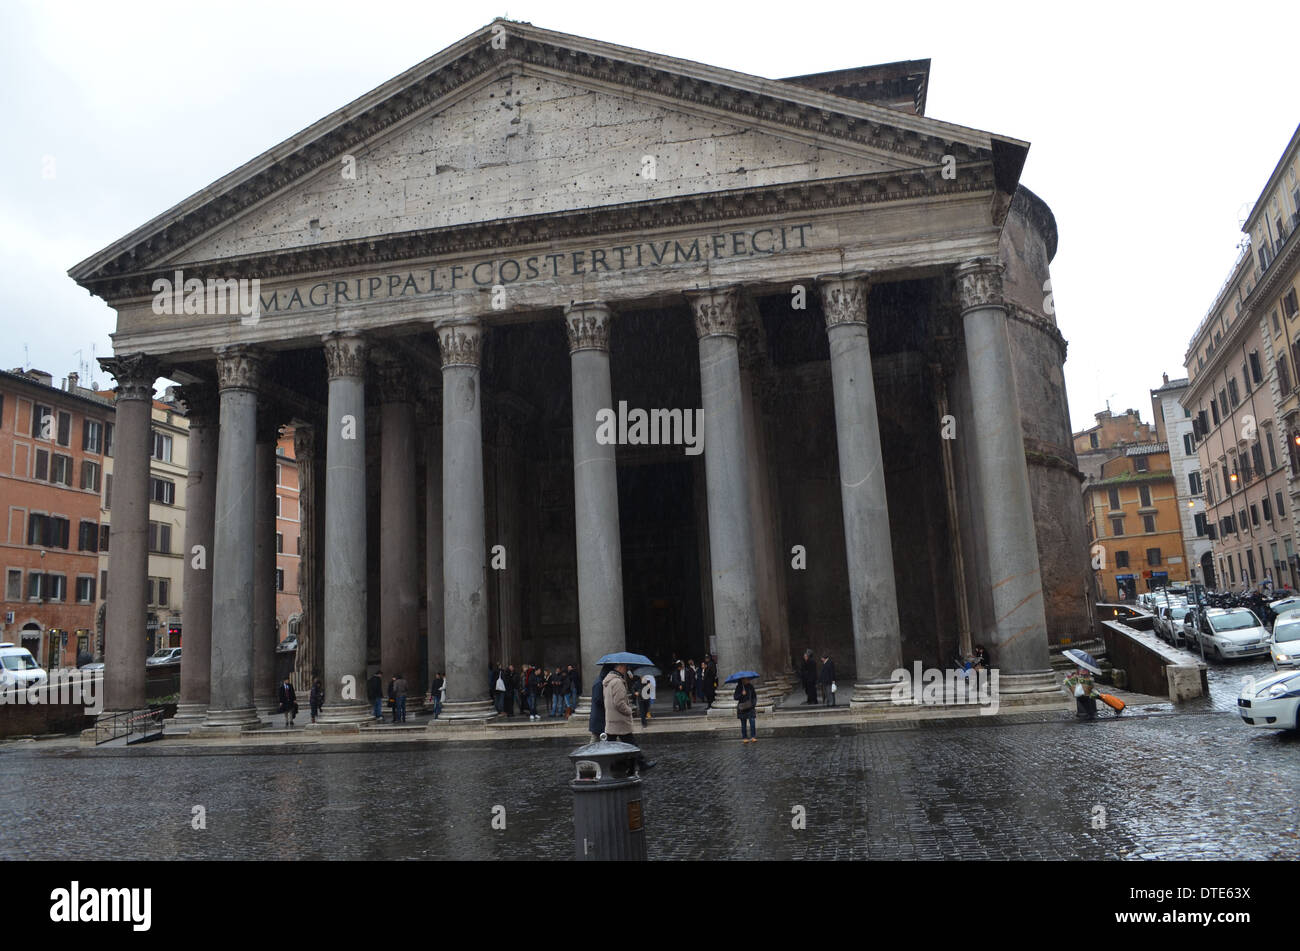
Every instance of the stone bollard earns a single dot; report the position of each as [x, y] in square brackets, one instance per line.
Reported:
[608, 823]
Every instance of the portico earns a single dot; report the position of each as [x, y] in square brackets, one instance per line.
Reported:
[798, 270]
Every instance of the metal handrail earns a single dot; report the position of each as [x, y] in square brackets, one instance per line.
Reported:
[148, 724]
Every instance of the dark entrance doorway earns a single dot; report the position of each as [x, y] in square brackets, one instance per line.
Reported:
[662, 608]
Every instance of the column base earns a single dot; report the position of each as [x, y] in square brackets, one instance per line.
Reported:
[190, 714]
[339, 714]
[877, 696]
[227, 722]
[465, 713]
[722, 706]
[1034, 687]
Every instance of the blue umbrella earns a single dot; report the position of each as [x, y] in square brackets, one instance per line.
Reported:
[1083, 659]
[741, 675]
[626, 657]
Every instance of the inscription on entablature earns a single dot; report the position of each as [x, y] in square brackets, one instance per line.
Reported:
[550, 266]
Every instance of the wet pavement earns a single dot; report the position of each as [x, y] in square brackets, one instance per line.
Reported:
[1189, 785]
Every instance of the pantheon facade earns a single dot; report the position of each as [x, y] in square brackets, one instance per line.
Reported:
[452, 285]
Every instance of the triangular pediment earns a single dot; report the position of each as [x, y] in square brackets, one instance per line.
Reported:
[537, 123]
[526, 144]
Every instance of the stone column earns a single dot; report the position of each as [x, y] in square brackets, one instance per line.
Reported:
[464, 552]
[731, 537]
[1018, 640]
[767, 560]
[128, 549]
[309, 659]
[939, 370]
[433, 538]
[873, 603]
[230, 705]
[264, 561]
[595, 495]
[200, 400]
[399, 599]
[345, 532]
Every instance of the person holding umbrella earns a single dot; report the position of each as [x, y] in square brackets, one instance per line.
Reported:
[746, 704]
[1080, 685]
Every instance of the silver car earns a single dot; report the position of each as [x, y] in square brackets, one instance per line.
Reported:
[1284, 648]
[1235, 632]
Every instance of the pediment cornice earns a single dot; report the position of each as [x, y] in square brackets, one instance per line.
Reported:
[772, 103]
[691, 211]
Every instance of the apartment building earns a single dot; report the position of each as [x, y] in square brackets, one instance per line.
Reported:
[1174, 425]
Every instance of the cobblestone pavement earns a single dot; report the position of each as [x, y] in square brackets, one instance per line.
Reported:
[1194, 785]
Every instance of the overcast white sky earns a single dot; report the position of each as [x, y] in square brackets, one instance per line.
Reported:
[1152, 127]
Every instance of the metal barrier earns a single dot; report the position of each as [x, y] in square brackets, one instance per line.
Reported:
[138, 726]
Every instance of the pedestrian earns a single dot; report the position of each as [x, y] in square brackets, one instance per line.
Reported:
[438, 693]
[808, 674]
[317, 699]
[828, 681]
[512, 686]
[575, 690]
[711, 681]
[392, 697]
[691, 675]
[746, 710]
[596, 721]
[677, 682]
[375, 691]
[531, 689]
[399, 692]
[1080, 686]
[499, 690]
[981, 660]
[647, 697]
[288, 702]
[559, 692]
[618, 709]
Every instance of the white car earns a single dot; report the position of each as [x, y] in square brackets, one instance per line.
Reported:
[1271, 703]
[1284, 648]
[1232, 632]
[1169, 622]
[18, 668]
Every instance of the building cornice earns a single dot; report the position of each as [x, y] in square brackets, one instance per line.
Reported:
[679, 213]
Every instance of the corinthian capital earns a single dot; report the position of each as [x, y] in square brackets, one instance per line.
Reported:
[239, 367]
[979, 284]
[587, 324]
[844, 299]
[135, 374]
[345, 355]
[201, 404]
[460, 345]
[717, 312]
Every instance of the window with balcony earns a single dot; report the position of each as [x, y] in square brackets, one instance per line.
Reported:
[92, 436]
[162, 490]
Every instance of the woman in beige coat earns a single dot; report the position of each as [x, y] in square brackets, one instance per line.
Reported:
[618, 706]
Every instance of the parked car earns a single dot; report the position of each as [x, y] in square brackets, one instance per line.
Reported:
[1271, 703]
[167, 655]
[290, 643]
[1169, 623]
[18, 668]
[1284, 648]
[1231, 632]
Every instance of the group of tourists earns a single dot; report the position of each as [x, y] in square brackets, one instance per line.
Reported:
[396, 693]
[691, 684]
[556, 690]
[818, 677]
